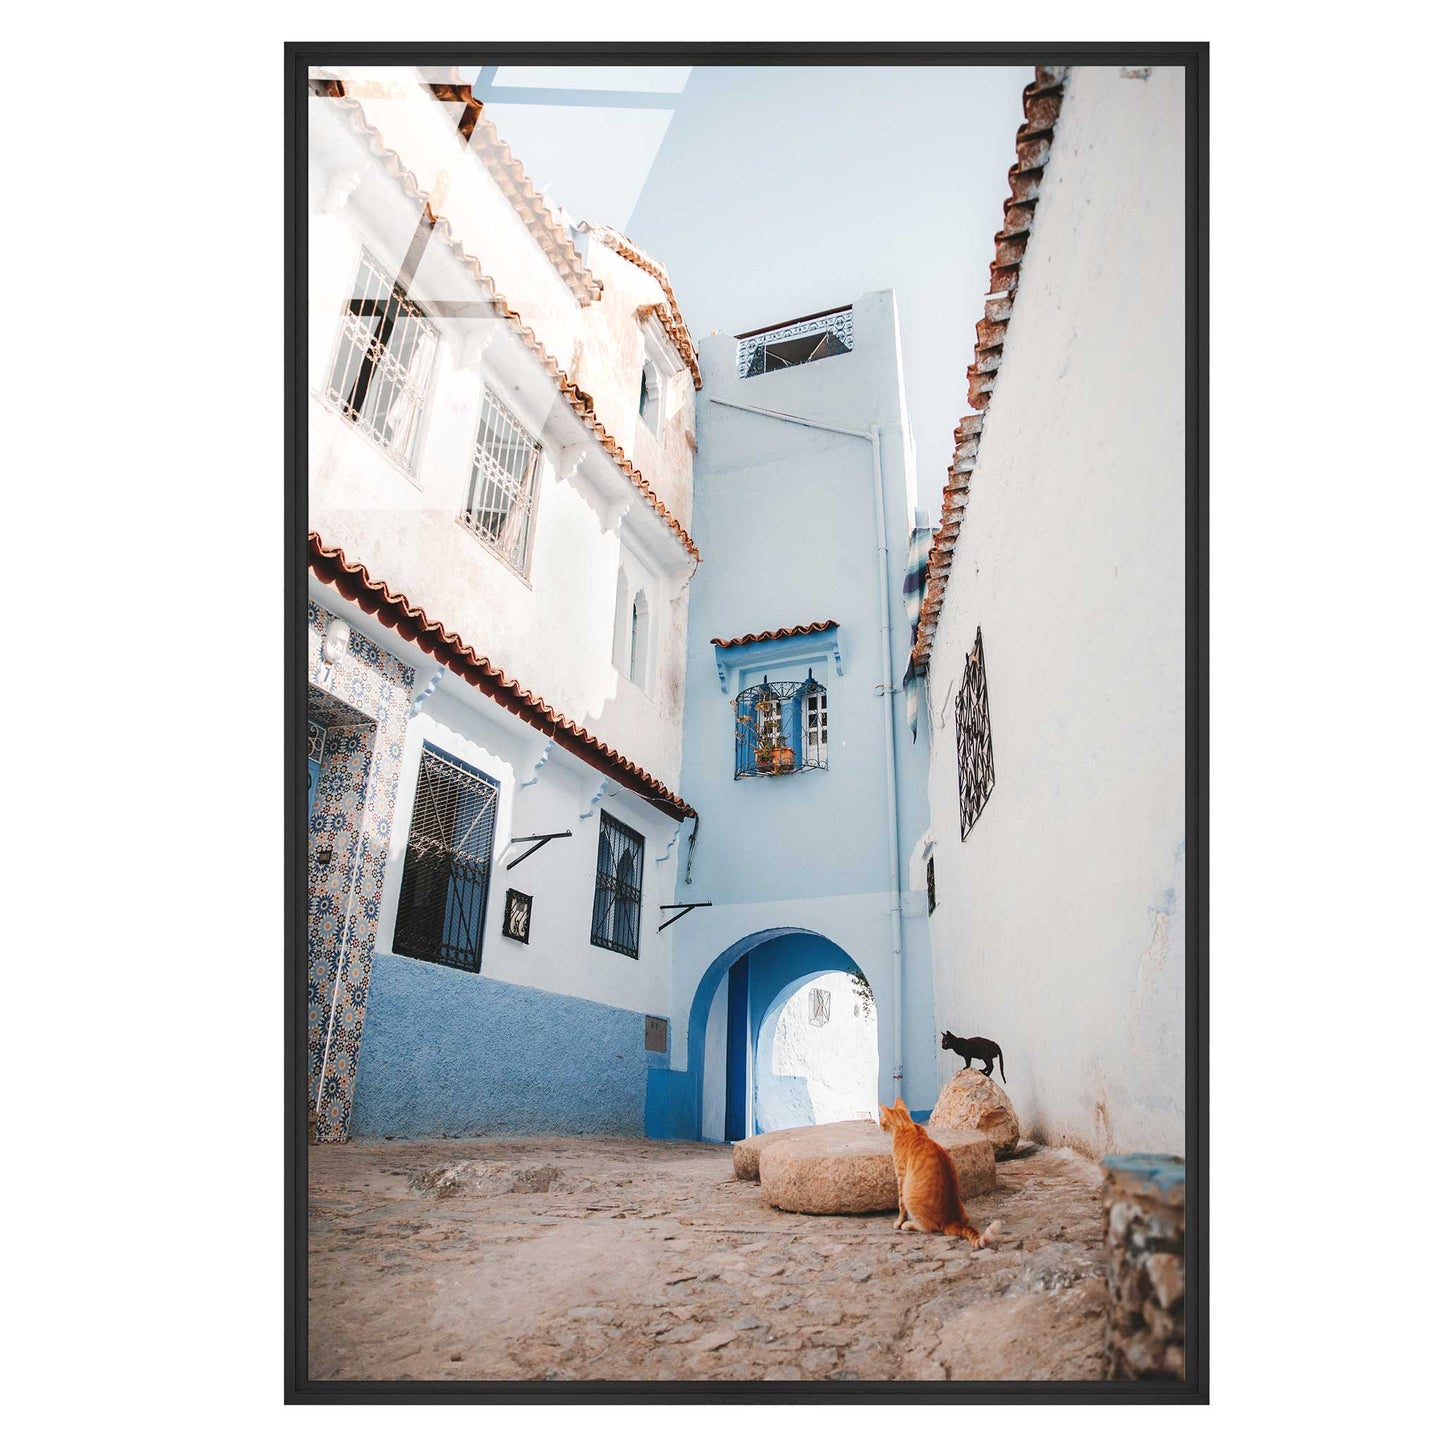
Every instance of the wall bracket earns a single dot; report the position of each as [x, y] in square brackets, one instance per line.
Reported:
[537, 840]
[686, 909]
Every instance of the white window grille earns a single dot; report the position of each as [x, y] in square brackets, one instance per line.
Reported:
[383, 363]
[795, 343]
[820, 1004]
[502, 494]
[815, 728]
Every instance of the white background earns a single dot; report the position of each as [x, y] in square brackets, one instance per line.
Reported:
[143, 575]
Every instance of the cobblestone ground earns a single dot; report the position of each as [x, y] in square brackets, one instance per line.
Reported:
[629, 1259]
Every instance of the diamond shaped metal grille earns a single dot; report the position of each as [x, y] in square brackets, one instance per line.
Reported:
[975, 739]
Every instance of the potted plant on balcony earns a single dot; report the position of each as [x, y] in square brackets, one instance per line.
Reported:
[775, 757]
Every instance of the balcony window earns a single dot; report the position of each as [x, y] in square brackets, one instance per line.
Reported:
[781, 727]
[795, 343]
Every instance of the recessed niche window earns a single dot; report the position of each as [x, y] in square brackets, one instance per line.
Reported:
[932, 894]
[975, 739]
[820, 1005]
[382, 367]
[649, 401]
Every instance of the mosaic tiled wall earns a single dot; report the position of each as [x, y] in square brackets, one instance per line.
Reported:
[364, 703]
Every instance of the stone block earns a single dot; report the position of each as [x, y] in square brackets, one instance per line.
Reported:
[971, 1100]
[848, 1168]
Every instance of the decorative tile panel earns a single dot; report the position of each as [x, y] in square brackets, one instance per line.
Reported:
[364, 703]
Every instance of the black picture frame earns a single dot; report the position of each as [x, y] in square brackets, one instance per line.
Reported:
[298, 1389]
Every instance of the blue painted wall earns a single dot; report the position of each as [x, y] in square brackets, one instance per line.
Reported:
[447, 1052]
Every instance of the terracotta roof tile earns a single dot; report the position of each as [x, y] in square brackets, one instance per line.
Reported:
[496, 155]
[774, 635]
[395, 611]
[577, 399]
[671, 314]
[1043, 98]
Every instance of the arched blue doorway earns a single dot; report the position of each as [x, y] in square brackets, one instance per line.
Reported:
[759, 968]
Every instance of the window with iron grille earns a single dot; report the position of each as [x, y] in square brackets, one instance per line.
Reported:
[383, 363]
[502, 494]
[448, 865]
[617, 902]
[780, 727]
[975, 739]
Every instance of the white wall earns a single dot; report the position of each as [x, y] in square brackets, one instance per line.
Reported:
[1059, 930]
[818, 1074]
[553, 628]
[715, 1074]
[559, 956]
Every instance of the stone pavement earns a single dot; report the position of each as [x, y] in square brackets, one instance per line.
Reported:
[632, 1259]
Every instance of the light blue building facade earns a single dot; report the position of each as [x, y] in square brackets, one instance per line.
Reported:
[810, 789]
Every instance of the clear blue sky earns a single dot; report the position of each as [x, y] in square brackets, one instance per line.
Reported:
[772, 192]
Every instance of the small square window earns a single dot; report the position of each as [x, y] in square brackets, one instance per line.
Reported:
[517, 916]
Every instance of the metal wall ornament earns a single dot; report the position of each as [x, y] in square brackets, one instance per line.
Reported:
[517, 916]
[975, 739]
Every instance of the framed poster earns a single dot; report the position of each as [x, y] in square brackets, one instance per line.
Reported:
[670, 429]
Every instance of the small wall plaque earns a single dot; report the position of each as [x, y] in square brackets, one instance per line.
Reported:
[517, 916]
[654, 1036]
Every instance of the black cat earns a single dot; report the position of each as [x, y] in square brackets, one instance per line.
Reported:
[972, 1049]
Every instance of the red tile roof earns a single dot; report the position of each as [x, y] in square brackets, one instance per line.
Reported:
[1042, 100]
[775, 634]
[496, 155]
[394, 610]
[577, 399]
[671, 314]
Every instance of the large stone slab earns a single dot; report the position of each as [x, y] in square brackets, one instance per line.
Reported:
[746, 1151]
[848, 1168]
[971, 1100]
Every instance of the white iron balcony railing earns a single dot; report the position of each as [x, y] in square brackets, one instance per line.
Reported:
[795, 343]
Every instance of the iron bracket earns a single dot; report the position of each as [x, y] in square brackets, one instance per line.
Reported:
[686, 909]
[537, 840]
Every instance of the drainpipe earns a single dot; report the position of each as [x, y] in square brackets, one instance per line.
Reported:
[895, 910]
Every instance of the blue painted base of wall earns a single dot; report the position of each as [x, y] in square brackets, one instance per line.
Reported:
[447, 1052]
[672, 1105]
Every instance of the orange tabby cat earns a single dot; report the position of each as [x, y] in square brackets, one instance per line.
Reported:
[927, 1181]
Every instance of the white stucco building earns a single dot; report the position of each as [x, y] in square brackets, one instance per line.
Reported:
[1053, 630]
[500, 421]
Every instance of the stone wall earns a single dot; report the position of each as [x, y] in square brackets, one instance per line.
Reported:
[1144, 1241]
